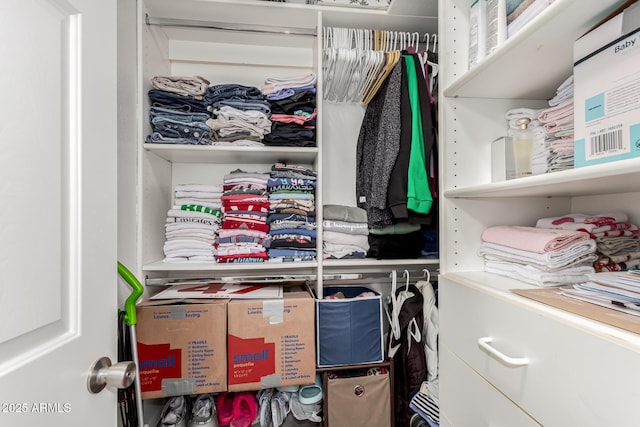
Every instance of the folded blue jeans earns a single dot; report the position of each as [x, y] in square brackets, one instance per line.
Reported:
[182, 116]
[164, 99]
[176, 129]
[158, 138]
[231, 90]
[243, 105]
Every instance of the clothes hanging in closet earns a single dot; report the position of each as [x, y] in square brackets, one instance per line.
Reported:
[405, 312]
[398, 131]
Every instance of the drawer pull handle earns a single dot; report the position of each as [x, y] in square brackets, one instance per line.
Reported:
[507, 360]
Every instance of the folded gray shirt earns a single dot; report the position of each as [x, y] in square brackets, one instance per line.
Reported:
[346, 227]
[344, 213]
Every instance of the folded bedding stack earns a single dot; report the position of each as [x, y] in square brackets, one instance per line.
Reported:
[192, 223]
[345, 232]
[178, 113]
[557, 124]
[240, 114]
[617, 244]
[292, 213]
[293, 110]
[244, 234]
[540, 256]
[552, 129]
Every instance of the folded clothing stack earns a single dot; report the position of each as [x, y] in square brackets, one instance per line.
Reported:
[292, 212]
[192, 223]
[293, 106]
[178, 113]
[542, 257]
[239, 114]
[244, 234]
[557, 123]
[616, 239]
[345, 232]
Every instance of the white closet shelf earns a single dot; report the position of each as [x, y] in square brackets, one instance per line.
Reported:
[403, 15]
[237, 12]
[214, 25]
[500, 286]
[368, 269]
[390, 264]
[222, 154]
[537, 59]
[616, 177]
[159, 266]
[368, 265]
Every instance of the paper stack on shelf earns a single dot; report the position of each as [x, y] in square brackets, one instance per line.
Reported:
[616, 290]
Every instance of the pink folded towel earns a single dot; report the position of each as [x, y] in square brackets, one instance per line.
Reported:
[556, 113]
[532, 239]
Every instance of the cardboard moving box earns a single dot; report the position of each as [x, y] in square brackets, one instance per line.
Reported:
[271, 342]
[182, 347]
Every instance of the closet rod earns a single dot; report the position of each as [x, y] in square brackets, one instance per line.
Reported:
[189, 23]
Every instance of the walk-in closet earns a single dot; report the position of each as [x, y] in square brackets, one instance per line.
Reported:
[349, 49]
[304, 213]
[503, 357]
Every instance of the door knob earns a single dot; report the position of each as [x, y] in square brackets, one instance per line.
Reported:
[104, 374]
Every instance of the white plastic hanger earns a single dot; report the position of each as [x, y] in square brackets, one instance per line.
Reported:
[413, 329]
[415, 41]
[393, 316]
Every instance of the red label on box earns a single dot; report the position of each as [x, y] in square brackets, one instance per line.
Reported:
[156, 363]
[250, 359]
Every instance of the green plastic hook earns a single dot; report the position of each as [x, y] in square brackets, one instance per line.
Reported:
[130, 303]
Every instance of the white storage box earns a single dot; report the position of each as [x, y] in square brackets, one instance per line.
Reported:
[607, 91]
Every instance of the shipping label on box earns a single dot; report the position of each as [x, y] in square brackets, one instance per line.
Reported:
[182, 348]
[607, 103]
[271, 342]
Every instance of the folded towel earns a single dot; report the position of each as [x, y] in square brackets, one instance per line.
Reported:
[598, 219]
[345, 213]
[532, 239]
[534, 276]
[579, 253]
[617, 245]
[556, 113]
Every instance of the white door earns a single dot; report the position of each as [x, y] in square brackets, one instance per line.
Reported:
[58, 266]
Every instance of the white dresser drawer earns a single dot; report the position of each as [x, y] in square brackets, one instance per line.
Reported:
[568, 377]
[467, 400]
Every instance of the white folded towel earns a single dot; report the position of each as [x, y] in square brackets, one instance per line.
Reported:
[549, 261]
[534, 276]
